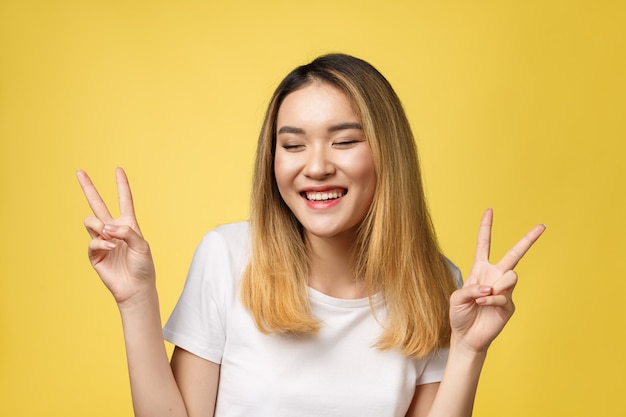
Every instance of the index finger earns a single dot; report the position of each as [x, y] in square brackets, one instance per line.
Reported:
[515, 254]
[483, 245]
[124, 195]
[96, 203]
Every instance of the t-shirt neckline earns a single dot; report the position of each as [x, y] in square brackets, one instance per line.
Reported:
[343, 302]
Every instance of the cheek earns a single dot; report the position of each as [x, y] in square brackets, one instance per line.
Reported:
[363, 170]
[365, 173]
[283, 172]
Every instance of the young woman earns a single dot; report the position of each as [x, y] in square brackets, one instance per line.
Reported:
[334, 300]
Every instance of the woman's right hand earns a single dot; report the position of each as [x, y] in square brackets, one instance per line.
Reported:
[117, 251]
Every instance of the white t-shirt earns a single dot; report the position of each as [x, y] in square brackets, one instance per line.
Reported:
[336, 373]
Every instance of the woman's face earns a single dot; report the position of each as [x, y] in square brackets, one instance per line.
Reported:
[323, 165]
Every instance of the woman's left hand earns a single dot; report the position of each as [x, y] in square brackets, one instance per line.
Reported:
[479, 310]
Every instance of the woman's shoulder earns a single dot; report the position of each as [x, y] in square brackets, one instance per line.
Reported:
[229, 233]
[456, 273]
[231, 240]
[232, 231]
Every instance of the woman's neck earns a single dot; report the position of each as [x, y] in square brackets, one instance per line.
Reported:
[332, 267]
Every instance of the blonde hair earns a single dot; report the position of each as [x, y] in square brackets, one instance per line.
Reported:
[396, 253]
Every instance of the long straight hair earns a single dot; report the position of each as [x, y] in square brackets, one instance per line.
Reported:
[396, 252]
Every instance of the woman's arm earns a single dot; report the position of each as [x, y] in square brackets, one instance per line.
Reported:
[197, 380]
[154, 389]
[121, 257]
[478, 313]
[423, 399]
[455, 394]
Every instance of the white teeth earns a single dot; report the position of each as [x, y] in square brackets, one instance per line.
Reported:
[323, 196]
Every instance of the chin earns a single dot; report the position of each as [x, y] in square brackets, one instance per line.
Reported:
[331, 232]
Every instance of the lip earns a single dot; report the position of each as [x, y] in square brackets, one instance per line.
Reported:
[321, 205]
[322, 188]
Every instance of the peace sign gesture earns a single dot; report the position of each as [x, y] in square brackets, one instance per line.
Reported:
[117, 251]
[479, 310]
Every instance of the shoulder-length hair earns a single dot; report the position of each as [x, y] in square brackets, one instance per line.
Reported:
[396, 253]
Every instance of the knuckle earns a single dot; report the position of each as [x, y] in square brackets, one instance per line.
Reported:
[123, 230]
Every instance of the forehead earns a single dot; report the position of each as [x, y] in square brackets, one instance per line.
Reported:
[317, 102]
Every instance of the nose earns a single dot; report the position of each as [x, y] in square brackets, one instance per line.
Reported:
[318, 163]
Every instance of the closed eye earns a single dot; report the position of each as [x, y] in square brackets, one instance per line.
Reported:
[346, 143]
[288, 147]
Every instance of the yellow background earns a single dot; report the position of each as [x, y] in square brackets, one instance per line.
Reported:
[517, 105]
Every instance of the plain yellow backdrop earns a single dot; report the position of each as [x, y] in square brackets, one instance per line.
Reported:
[516, 105]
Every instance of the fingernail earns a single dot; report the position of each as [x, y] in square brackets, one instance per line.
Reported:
[485, 289]
[110, 245]
[110, 227]
[481, 301]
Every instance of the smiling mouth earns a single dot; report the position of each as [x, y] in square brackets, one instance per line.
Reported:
[325, 195]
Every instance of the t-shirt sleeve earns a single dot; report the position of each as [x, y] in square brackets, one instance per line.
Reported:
[198, 321]
[456, 273]
[435, 365]
[435, 362]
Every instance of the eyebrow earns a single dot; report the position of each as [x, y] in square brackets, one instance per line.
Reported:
[333, 128]
[345, 126]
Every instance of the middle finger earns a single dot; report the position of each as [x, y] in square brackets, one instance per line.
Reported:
[96, 203]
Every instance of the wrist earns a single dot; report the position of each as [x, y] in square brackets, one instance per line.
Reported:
[461, 349]
[146, 298]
